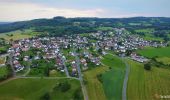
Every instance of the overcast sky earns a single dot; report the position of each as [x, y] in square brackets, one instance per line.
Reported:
[18, 10]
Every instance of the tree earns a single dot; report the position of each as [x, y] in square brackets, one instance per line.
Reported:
[100, 51]
[147, 66]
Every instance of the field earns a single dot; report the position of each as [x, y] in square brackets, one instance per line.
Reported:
[2, 60]
[164, 60]
[113, 79]
[33, 89]
[147, 85]
[155, 52]
[16, 35]
[3, 72]
[93, 85]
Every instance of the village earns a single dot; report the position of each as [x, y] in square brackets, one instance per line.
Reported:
[61, 52]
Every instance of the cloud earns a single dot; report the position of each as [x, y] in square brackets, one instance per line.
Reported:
[25, 11]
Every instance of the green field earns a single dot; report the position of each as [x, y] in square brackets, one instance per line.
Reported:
[147, 85]
[33, 89]
[94, 86]
[3, 72]
[18, 34]
[164, 60]
[113, 79]
[155, 52]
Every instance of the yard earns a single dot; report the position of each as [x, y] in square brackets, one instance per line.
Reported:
[3, 72]
[2, 60]
[147, 85]
[34, 89]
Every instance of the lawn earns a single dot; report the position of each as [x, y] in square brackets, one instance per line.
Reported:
[94, 86]
[147, 85]
[155, 52]
[113, 79]
[33, 89]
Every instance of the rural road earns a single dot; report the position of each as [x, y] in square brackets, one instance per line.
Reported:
[124, 97]
[80, 77]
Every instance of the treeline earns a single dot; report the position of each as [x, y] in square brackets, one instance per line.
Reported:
[62, 25]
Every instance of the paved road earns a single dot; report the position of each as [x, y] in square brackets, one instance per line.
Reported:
[124, 97]
[80, 77]
[11, 63]
[65, 68]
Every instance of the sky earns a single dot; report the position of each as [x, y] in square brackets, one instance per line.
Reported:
[19, 10]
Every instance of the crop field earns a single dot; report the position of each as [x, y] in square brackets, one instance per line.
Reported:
[155, 52]
[147, 85]
[94, 86]
[113, 79]
[33, 89]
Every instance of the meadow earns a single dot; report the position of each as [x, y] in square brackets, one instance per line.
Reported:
[16, 35]
[147, 85]
[33, 89]
[164, 60]
[3, 72]
[113, 79]
[151, 52]
[93, 85]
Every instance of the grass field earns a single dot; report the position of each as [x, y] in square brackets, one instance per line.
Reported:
[155, 52]
[3, 72]
[113, 79]
[33, 89]
[18, 34]
[147, 85]
[94, 86]
[164, 60]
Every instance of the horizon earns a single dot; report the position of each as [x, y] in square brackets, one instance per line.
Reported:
[21, 10]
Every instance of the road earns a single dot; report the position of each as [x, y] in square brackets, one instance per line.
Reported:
[65, 68]
[80, 76]
[124, 94]
[11, 63]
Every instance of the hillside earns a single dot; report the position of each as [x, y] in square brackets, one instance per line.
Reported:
[61, 25]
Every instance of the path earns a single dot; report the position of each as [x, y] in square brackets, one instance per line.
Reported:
[124, 93]
[25, 77]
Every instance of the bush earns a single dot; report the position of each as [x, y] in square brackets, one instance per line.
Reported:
[99, 77]
[46, 96]
[78, 94]
[147, 66]
[63, 86]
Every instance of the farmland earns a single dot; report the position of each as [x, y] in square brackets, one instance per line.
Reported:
[16, 35]
[147, 85]
[155, 52]
[93, 85]
[113, 79]
[20, 89]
